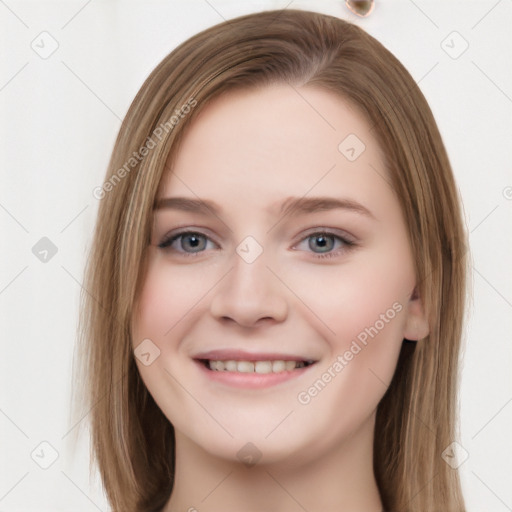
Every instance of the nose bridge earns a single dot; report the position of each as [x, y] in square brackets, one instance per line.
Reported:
[249, 291]
[249, 265]
[250, 274]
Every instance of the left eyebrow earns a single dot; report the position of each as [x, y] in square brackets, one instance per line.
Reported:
[301, 205]
[316, 204]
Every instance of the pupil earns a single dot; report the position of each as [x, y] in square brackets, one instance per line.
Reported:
[193, 241]
[322, 242]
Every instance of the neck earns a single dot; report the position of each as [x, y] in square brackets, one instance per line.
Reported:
[341, 480]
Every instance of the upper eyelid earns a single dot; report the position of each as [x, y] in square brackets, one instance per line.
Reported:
[328, 231]
[186, 230]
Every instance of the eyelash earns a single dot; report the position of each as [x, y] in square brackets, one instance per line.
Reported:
[169, 239]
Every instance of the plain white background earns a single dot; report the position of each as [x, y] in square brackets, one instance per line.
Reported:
[59, 117]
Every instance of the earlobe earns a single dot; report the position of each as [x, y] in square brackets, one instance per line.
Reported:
[416, 324]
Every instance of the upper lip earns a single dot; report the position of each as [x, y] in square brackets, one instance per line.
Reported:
[242, 355]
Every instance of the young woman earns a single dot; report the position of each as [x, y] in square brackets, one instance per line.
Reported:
[276, 288]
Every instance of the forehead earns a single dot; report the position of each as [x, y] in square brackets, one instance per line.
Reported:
[264, 144]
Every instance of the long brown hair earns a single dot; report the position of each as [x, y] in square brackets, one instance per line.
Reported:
[132, 440]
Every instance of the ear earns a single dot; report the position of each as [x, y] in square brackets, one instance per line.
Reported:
[416, 324]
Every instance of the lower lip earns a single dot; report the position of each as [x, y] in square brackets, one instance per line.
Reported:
[251, 380]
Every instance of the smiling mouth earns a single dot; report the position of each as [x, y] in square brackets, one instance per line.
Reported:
[262, 367]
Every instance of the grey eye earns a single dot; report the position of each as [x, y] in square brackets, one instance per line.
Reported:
[188, 242]
[321, 241]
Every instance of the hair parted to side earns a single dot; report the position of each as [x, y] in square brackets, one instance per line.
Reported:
[131, 440]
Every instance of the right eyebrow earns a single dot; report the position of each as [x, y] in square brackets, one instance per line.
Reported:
[186, 204]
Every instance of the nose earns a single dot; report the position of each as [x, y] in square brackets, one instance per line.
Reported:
[250, 294]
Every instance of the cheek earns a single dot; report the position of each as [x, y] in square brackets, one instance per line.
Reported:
[362, 308]
[166, 300]
[366, 311]
[355, 296]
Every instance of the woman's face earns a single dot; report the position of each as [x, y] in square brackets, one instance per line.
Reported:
[239, 281]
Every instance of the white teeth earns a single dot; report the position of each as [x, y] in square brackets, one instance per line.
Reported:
[280, 366]
[230, 366]
[290, 365]
[244, 366]
[263, 367]
[255, 366]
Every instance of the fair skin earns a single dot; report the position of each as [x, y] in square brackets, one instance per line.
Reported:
[248, 151]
